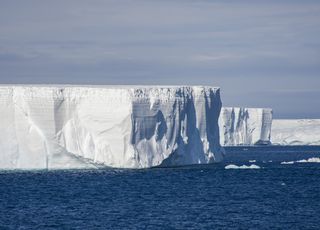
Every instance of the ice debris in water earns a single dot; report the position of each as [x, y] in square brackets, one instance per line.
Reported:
[310, 160]
[232, 166]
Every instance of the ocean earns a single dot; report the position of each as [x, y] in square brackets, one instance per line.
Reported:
[261, 195]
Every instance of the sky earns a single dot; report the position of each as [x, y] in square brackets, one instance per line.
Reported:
[261, 53]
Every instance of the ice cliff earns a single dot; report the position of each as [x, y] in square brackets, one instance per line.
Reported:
[296, 132]
[54, 127]
[245, 126]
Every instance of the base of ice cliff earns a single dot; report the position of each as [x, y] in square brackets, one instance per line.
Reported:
[296, 132]
[56, 127]
[245, 126]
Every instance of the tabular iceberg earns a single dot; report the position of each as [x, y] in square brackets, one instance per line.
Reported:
[245, 126]
[54, 127]
[296, 132]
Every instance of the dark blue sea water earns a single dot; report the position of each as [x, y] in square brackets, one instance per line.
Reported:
[199, 197]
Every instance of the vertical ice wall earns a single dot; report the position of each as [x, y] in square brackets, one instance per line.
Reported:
[245, 126]
[125, 126]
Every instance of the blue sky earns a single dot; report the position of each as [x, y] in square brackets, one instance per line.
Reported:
[261, 53]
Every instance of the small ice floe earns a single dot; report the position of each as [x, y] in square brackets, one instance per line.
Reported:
[310, 160]
[252, 161]
[283, 184]
[287, 162]
[253, 166]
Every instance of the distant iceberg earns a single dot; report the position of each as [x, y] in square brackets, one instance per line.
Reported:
[245, 126]
[296, 132]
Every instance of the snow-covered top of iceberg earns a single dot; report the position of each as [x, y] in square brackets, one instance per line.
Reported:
[145, 88]
[105, 86]
[140, 92]
[296, 132]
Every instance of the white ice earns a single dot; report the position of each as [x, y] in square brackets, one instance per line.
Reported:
[245, 126]
[287, 162]
[309, 160]
[296, 132]
[232, 166]
[54, 127]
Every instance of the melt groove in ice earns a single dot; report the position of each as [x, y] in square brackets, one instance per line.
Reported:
[245, 126]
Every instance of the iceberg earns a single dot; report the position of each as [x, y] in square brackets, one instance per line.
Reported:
[296, 132]
[245, 126]
[64, 126]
